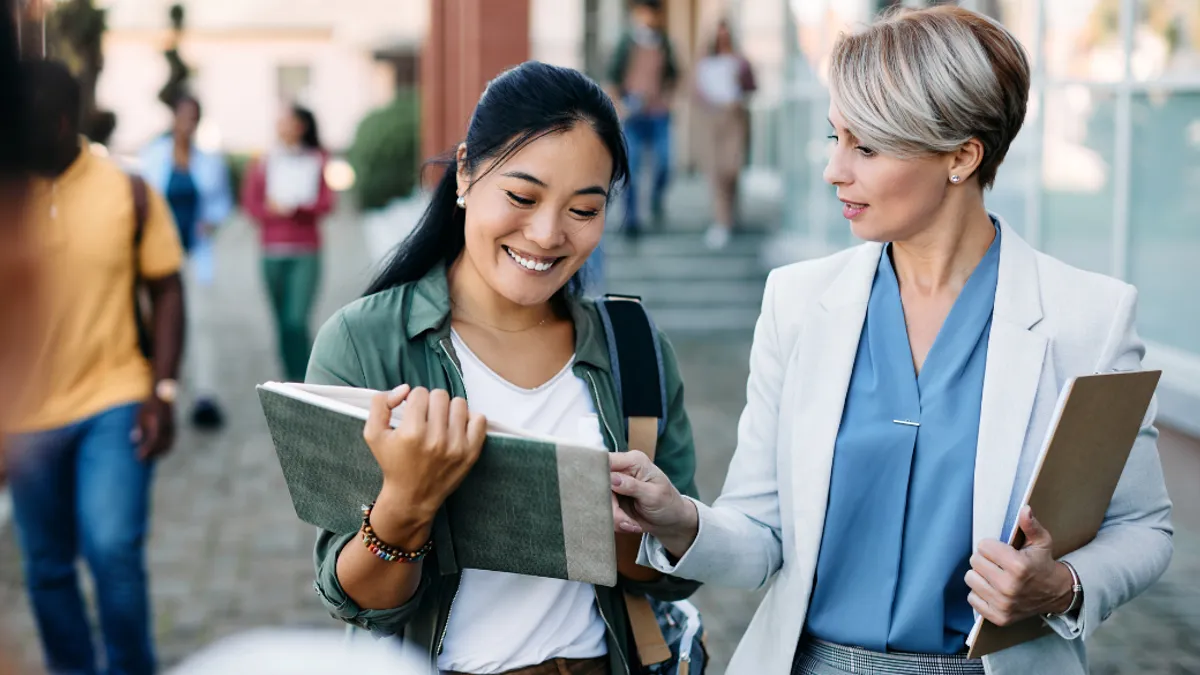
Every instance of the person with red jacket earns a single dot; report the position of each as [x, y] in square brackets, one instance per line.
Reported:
[286, 194]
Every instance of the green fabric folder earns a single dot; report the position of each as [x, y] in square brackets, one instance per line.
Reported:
[530, 505]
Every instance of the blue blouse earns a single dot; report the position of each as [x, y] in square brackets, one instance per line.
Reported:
[184, 199]
[897, 538]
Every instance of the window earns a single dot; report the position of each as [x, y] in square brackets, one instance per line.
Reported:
[292, 82]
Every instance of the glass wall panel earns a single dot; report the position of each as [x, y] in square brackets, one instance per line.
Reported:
[1083, 40]
[1077, 176]
[1017, 176]
[1166, 39]
[815, 24]
[1019, 16]
[1164, 230]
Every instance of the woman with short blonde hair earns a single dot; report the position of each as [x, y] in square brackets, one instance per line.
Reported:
[899, 393]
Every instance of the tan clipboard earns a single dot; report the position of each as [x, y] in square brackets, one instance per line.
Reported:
[1093, 430]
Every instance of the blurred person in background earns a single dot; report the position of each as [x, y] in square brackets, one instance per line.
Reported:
[482, 301]
[722, 81]
[195, 183]
[18, 263]
[97, 413]
[297, 651]
[286, 194]
[643, 75]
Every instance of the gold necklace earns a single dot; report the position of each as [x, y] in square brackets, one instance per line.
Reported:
[471, 319]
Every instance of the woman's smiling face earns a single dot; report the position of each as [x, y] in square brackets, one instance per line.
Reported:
[532, 221]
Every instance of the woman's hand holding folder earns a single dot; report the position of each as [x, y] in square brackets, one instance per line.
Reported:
[645, 501]
[427, 456]
[423, 460]
[1010, 585]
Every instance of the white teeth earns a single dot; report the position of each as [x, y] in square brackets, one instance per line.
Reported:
[529, 264]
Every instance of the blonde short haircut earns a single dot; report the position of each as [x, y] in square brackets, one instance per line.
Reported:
[921, 82]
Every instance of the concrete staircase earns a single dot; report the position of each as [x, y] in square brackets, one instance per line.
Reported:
[688, 288]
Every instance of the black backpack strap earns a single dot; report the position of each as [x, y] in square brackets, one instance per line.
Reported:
[636, 357]
[637, 370]
[141, 304]
[141, 205]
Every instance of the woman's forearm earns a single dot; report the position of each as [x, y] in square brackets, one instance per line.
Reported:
[373, 583]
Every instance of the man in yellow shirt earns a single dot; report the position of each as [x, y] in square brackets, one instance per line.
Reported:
[97, 413]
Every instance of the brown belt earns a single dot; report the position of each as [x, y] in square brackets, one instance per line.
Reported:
[596, 666]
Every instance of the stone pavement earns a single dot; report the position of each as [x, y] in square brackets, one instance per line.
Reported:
[227, 553]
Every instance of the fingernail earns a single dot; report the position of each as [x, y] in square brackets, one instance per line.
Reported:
[399, 389]
[616, 481]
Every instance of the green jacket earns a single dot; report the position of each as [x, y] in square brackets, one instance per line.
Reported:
[402, 336]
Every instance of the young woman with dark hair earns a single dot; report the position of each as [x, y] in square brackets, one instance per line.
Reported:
[286, 194]
[482, 301]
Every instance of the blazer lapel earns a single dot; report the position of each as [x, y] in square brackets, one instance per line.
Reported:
[1010, 384]
[823, 362]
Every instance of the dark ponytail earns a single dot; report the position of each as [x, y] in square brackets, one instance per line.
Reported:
[518, 107]
[311, 138]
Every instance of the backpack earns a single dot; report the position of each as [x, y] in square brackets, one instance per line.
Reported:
[669, 635]
[141, 295]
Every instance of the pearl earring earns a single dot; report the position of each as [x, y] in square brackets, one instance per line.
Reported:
[461, 202]
[954, 178]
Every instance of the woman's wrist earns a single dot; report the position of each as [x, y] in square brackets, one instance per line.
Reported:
[1065, 580]
[679, 537]
[399, 522]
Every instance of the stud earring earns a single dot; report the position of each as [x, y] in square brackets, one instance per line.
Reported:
[461, 202]
[954, 178]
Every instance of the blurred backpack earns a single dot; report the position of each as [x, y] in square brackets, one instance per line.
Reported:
[669, 636]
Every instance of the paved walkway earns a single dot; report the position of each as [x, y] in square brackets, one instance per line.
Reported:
[227, 553]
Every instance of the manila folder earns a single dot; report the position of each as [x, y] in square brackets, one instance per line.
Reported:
[1095, 426]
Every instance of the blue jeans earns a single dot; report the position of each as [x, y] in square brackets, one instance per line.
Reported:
[642, 132]
[81, 488]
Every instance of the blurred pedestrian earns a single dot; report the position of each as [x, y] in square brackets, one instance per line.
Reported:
[643, 75]
[195, 183]
[482, 302]
[18, 264]
[286, 194]
[722, 81]
[98, 413]
[296, 651]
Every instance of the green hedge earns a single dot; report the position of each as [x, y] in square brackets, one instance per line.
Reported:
[238, 163]
[385, 152]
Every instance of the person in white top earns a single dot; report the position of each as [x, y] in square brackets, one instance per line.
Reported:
[722, 81]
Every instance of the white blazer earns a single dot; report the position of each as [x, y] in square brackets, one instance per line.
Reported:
[1050, 322]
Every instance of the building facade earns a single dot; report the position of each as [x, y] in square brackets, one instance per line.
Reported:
[249, 59]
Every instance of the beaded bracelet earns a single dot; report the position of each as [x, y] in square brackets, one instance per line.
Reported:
[387, 552]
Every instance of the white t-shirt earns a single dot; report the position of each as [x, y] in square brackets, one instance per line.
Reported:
[718, 77]
[502, 621]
